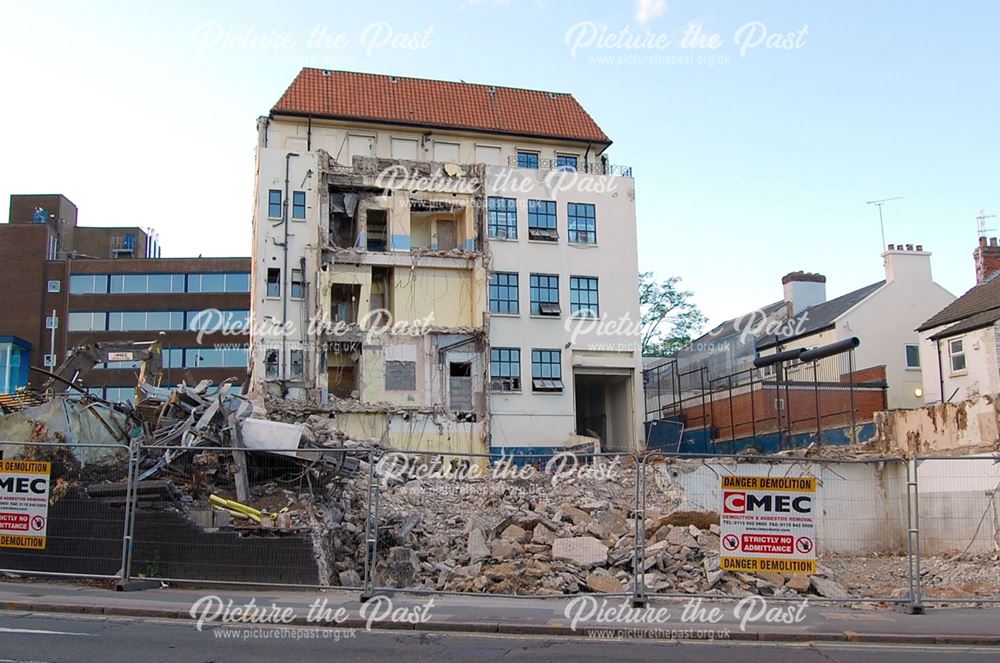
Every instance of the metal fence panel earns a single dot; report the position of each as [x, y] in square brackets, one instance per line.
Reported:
[861, 528]
[959, 527]
[301, 522]
[85, 525]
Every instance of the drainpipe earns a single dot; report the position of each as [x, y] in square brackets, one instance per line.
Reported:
[586, 159]
[940, 369]
[284, 272]
[309, 135]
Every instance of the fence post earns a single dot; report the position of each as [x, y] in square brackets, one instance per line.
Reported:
[639, 598]
[130, 492]
[371, 531]
[915, 606]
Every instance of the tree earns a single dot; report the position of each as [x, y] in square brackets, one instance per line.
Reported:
[665, 305]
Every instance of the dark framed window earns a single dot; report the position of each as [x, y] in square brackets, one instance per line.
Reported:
[583, 296]
[542, 220]
[582, 223]
[502, 217]
[546, 370]
[504, 293]
[566, 162]
[545, 294]
[912, 355]
[527, 159]
[298, 285]
[274, 204]
[505, 369]
[299, 205]
[271, 364]
[273, 282]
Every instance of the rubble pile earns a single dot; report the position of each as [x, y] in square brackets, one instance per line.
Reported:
[535, 536]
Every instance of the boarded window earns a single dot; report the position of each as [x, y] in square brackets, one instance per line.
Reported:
[460, 386]
[404, 148]
[400, 375]
[360, 146]
[488, 155]
[446, 152]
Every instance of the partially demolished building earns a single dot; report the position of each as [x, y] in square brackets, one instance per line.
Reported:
[445, 266]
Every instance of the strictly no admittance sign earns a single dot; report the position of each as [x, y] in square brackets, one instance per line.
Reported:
[768, 524]
[24, 503]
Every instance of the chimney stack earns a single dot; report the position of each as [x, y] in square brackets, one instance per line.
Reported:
[803, 289]
[987, 257]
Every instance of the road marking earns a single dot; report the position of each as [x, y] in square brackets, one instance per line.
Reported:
[37, 631]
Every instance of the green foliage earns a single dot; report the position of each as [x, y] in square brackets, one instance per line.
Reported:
[669, 318]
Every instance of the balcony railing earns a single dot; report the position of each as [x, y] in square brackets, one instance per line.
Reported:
[616, 170]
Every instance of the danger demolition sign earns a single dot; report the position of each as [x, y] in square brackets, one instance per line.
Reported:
[768, 524]
[24, 503]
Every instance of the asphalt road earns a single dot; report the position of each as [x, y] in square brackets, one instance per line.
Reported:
[28, 637]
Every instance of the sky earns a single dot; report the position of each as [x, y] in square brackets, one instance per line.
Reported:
[756, 131]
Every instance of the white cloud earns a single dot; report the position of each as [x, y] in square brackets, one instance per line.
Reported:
[646, 10]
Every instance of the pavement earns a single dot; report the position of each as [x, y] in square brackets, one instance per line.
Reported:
[588, 616]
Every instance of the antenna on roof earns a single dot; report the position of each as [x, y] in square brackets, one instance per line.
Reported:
[881, 223]
[981, 222]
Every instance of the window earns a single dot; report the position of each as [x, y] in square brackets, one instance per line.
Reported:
[545, 294]
[145, 320]
[527, 159]
[216, 320]
[403, 148]
[206, 283]
[360, 146]
[299, 205]
[298, 285]
[296, 363]
[505, 369]
[504, 293]
[566, 162]
[446, 152]
[546, 370]
[273, 282]
[400, 375]
[274, 204]
[912, 355]
[956, 349]
[87, 321]
[488, 154]
[542, 220]
[582, 223]
[165, 283]
[271, 364]
[88, 284]
[583, 296]
[502, 217]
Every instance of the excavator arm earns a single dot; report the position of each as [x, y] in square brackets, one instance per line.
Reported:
[83, 358]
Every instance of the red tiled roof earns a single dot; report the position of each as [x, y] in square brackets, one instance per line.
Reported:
[442, 104]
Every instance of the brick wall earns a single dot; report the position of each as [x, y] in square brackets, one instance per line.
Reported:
[760, 412]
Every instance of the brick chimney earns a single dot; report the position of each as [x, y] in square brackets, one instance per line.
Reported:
[987, 256]
[804, 289]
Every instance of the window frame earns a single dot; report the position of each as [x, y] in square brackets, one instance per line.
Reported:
[268, 283]
[297, 287]
[494, 214]
[516, 285]
[953, 355]
[574, 219]
[548, 229]
[271, 204]
[565, 157]
[530, 155]
[508, 379]
[538, 307]
[906, 351]
[585, 313]
[541, 358]
[297, 206]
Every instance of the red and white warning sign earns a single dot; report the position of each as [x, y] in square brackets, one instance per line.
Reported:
[768, 524]
[24, 503]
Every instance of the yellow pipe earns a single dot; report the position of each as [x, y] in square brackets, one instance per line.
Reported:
[235, 506]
